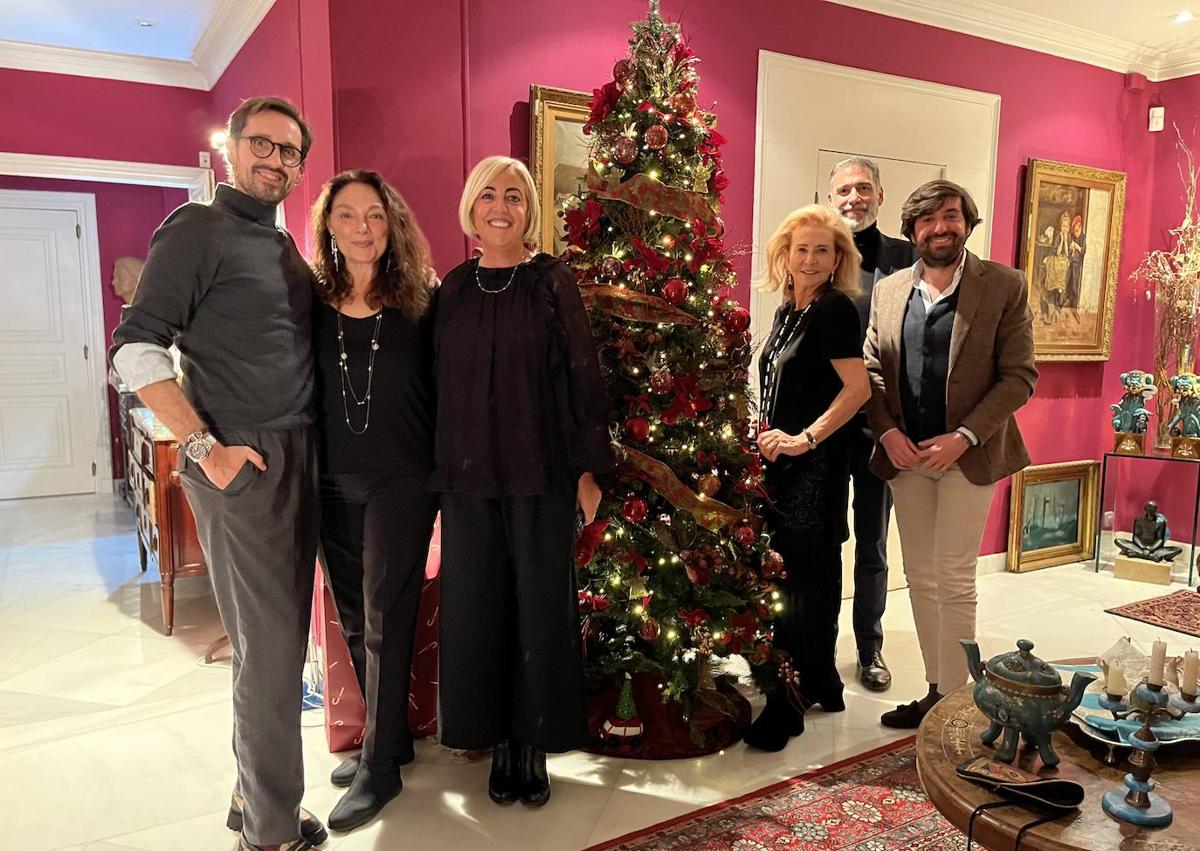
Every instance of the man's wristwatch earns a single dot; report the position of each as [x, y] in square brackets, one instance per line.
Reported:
[198, 445]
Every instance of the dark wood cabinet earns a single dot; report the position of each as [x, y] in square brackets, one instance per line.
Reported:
[166, 529]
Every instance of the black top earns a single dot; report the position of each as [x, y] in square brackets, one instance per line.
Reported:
[230, 289]
[398, 439]
[881, 256]
[521, 407]
[806, 383]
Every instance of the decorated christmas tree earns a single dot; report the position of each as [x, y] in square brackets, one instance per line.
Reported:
[676, 571]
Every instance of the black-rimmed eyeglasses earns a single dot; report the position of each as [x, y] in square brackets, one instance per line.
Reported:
[262, 147]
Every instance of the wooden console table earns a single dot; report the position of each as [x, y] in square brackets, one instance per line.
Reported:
[165, 526]
[949, 736]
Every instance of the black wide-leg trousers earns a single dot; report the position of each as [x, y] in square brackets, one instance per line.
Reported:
[511, 664]
[375, 531]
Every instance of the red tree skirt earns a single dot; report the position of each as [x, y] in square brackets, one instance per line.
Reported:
[665, 735]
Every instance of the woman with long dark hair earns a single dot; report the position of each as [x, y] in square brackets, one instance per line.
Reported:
[376, 408]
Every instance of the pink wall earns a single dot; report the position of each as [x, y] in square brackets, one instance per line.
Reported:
[400, 76]
[126, 217]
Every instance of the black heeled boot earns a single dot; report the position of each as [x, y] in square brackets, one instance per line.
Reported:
[777, 723]
[502, 782]
[534, 781]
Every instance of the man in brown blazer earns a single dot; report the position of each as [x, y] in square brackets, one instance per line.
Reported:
[949, 351]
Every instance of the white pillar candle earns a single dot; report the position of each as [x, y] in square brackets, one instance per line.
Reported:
[1116, 680]
[1191, 668]
[1158, 661]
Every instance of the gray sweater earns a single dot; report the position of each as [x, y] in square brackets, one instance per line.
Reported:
[231, 291]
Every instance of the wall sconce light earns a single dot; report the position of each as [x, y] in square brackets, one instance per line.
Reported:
[217, 139]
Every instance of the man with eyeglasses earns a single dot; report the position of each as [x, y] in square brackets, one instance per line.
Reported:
[230, 290]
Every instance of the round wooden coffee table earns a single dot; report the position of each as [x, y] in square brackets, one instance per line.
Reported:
[949, 736]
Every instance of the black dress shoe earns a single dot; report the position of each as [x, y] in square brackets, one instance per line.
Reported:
[367, 795]
[873, 672]
[533, 781]
[502, 782]
[343, 775]
[310, 826]
[777, 723]
[829, 699]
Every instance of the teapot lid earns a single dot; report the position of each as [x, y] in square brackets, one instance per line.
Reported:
[1024, 672]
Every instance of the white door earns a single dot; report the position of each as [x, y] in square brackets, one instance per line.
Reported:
[47, 415]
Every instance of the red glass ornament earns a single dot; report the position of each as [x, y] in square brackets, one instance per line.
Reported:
[649, 629]
[625, 150]
[744, 535]
[675, 291]
[634, 509]
[660, 380]
[623, 72]
[656, 137]
[737, 320]
[772, 564]
[682, 103]
[637, 429]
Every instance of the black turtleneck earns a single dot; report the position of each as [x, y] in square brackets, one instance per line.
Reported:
[867, 243]
[230, 289]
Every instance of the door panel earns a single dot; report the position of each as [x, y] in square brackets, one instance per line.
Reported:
[47, 420]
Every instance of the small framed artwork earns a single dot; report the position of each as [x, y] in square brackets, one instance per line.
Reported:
[1070, 253]
[558, 155]
[1052, 517]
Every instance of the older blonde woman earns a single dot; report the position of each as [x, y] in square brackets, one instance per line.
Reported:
[522, 426]
[813, 381]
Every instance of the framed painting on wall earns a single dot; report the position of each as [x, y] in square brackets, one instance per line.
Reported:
[558, 155]
[1070, 253]
[1052, 518]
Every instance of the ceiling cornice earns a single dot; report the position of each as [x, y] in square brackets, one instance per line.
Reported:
[998, 23]
[232, 24]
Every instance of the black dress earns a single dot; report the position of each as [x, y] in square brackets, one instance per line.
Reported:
[377, 514]
[522, 413]
[809, 492]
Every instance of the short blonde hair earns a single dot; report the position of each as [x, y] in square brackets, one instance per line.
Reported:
[481, 176]
[845, 276]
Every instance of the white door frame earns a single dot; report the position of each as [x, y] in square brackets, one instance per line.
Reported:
[199, 185]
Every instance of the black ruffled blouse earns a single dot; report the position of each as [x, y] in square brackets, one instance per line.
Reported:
[521, 406]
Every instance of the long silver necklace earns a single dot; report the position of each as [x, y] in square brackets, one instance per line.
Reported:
[787, 333]
[479, 283]
[344, 373]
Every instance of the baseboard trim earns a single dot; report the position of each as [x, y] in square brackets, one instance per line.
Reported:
[993, 563]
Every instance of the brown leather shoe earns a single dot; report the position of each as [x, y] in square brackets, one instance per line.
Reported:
[873, 672]
[310, 826]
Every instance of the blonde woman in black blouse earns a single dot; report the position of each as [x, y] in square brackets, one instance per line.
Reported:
[521, 433]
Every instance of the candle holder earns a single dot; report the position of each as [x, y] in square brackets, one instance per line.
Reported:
[1138, 804]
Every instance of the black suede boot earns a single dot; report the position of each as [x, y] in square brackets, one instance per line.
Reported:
[502, 782]
[777, 723]
[367, 795]
[533, 779]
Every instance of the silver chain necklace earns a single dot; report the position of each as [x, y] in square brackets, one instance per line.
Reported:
[344, 373]
[511, 277]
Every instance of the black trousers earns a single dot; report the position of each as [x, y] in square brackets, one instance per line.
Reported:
[872, 508]
[511, 664]
[807, 628]
[375, 531]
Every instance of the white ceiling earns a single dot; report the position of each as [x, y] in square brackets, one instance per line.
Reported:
[1122, 35]
[190, 43]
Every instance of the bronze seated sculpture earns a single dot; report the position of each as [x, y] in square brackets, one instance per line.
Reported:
[1150, 537]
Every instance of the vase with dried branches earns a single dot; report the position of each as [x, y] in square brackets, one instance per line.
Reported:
[1171, 276]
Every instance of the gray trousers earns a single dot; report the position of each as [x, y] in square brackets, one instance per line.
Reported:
[259, 537]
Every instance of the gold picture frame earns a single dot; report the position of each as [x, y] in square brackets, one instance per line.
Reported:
[557, 154]
[1071, 253]
[1052, 515]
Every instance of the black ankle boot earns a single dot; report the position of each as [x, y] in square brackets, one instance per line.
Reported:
[502, 782]
[777, 723]
[534, 781]
[367, 795]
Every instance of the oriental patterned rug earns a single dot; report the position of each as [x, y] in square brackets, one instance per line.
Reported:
[1179, 612]
[871, 802]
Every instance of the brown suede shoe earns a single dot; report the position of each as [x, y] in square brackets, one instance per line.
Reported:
[310, 826]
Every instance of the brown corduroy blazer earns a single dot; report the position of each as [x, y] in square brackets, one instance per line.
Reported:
[991, 366]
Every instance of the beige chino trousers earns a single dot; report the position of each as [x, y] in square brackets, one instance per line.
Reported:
[940, 517]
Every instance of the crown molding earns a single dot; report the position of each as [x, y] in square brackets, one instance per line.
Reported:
[197, 181]
[231, 26]
[92, 63]
[994, 22]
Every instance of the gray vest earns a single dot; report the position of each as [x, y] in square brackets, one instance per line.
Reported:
[925, 359]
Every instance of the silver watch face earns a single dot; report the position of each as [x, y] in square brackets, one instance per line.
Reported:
[199, 448]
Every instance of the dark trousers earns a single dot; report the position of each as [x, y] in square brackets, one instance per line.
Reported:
[259, 538]
[375, 531]
[511, 664]
[872, 507]
[807, 628]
